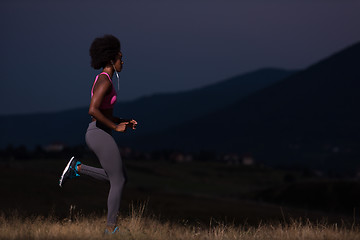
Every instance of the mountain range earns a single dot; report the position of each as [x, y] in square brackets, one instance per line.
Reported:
[308, 117]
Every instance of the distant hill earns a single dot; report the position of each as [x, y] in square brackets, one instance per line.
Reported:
[310, 117]
[154, 113]
[161, 111]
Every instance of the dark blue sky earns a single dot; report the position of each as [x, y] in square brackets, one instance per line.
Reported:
[167, 45]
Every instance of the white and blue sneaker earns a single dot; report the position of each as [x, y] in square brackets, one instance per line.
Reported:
[107, 232]
[70, 171]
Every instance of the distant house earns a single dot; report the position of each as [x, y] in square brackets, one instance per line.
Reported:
[232, 158]
[248, 160]
[180, 157]
[235, 159]
[54, 147]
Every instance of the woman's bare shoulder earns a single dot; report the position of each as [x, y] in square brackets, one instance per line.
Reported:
[103, 82]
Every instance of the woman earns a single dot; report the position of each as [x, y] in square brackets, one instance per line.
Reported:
[105, 53]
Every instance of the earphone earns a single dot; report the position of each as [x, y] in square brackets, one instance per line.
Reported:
[117, 75]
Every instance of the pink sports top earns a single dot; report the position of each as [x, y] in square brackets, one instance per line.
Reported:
[109, 99]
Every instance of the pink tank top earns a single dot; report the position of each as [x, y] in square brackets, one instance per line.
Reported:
[109, 99]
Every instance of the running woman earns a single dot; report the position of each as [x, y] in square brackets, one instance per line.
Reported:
[106, 55]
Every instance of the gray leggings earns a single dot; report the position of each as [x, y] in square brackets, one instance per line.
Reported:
[100, 141]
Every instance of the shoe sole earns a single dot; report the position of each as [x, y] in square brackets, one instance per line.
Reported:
[65, 170]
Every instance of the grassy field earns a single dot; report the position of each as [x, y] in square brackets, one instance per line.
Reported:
[136, 226]
[196, 200]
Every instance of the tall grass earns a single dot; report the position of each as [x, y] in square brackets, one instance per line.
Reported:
[138, 226]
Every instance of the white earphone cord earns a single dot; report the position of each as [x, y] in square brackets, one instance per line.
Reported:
[117, 75]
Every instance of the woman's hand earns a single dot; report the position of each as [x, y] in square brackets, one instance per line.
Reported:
[132, 124]
[124, 124]
[121, 127]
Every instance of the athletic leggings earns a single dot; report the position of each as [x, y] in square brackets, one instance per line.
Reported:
[99, 140]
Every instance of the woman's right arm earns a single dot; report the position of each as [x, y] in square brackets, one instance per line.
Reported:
[102, 86]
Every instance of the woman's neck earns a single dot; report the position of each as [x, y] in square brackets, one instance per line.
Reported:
[109, 70]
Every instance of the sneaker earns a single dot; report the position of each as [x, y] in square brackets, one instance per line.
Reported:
[116, 229]
[70, 171]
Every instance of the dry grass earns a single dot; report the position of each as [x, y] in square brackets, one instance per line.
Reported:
[137, 226]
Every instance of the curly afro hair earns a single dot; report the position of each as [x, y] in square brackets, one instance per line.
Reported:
[103, 50]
